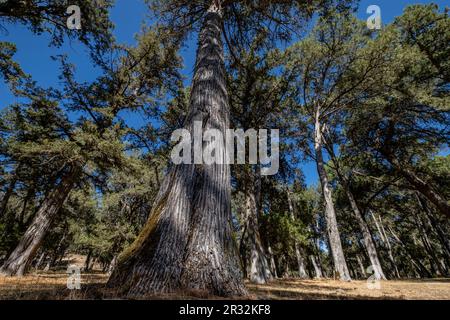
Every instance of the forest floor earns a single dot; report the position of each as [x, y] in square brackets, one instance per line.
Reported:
[53, 285]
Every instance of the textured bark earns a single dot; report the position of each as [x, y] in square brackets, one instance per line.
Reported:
[22, 256]
[298, 254]
[211, 263]
[187, 243]
[369, 244]
[340, 265]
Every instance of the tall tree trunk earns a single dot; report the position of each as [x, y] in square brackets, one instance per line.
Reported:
[40, 260]
[383, 236]
[298, 254]
[187, 242]
[361, 265]
[369, 244]
[419, 265]
[423, 232]
[87, 263]
[340, 265]
[317, 269]
[24, 253]
[435, 225]
[259, 267]
[273, 266]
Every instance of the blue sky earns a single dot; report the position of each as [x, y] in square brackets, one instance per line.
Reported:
[128, 15]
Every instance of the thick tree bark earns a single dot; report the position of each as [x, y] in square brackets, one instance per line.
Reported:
[340, 265]
[298, 254]
[187, 243]
[22, 256]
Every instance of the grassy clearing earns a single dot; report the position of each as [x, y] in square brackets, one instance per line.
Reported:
[53, 285]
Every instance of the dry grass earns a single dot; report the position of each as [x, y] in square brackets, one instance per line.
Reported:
[52, 285]
[434, 289]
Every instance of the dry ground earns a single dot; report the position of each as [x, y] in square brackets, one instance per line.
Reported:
[52, 285]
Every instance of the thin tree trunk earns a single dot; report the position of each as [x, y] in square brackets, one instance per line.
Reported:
[8, 193]
[317, 269]
[87, 263]
[259, 267]
[421, 268]
[435, 225]
[340, 265]
[361, 266]
[24, 253]
[40, 260]
[187, 242]
[423, 232]
[287, 271]
[300, 261]
[369, 244]
[273, 266]
[386, 242]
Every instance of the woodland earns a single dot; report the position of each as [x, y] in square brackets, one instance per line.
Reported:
[369, 109]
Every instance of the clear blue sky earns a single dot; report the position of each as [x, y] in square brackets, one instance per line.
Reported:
[128, 15]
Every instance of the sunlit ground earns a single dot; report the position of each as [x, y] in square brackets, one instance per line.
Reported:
[53, 285]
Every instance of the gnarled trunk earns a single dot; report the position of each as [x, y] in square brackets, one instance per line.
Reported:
[22, 256]
[340, 265]
[187, 242]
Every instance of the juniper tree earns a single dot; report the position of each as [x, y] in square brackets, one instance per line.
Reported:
[192, 213]
[407, 119]
[133, 79]
[331, 69]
